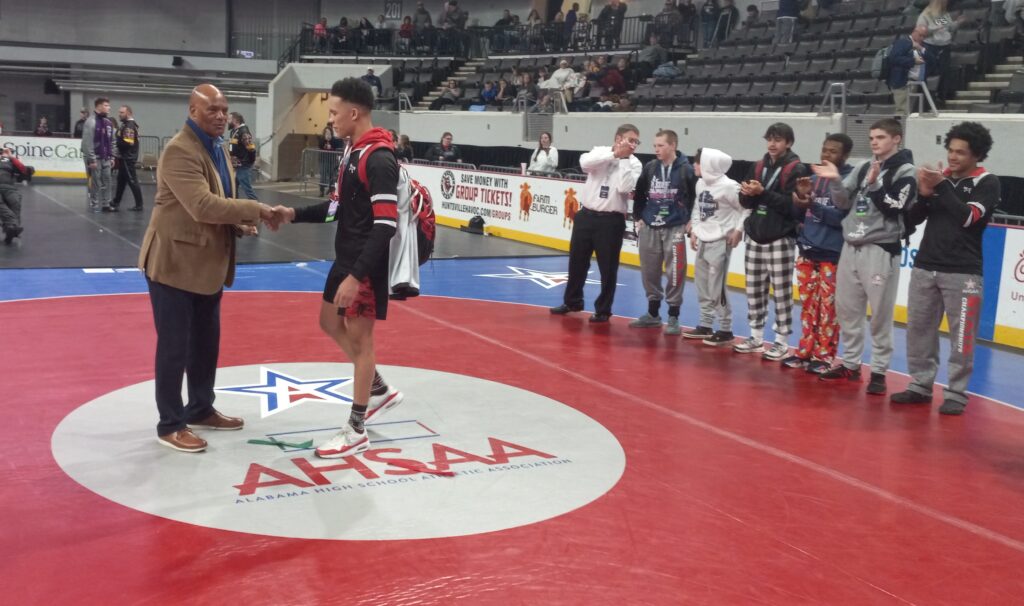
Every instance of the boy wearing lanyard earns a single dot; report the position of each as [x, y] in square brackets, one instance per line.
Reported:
[877, 193]
[771, 240]
[820, 241]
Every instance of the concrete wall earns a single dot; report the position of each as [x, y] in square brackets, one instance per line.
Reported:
[157, 115]
[27, 89]
[196, 26]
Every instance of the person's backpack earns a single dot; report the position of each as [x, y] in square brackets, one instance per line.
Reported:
[787, 170]
[415, 216]
[908, 227]
[880, 65]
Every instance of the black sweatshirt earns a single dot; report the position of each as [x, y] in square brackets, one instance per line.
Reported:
[366, 217]
[774, 216]
[957, 213]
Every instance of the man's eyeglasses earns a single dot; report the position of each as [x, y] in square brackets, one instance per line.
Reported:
[633, 142]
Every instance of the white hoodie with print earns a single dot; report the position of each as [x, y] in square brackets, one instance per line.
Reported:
[717, 209]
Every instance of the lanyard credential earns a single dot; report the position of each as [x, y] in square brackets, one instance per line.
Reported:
[332, 210]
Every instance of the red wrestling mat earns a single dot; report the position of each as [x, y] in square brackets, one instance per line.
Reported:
[593, 465]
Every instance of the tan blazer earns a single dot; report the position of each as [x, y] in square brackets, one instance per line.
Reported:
[190, 242]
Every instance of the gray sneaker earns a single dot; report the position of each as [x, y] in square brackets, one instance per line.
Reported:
[749, 345]
[776, 351]
[672, 327]
[646, 321]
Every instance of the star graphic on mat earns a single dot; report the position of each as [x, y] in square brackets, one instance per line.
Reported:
[547, 279]
[278, 391]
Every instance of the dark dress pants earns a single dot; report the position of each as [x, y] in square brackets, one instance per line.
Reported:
[187, 343]
[601, 233]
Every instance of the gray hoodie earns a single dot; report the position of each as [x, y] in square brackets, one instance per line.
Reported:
[876, 210]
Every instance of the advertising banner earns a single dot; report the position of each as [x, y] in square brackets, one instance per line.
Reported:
[51, 156]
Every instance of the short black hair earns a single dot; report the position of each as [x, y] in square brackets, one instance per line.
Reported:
[355, 91]
[843, 140]
[978, 138]
[99, 101]
[782, 131]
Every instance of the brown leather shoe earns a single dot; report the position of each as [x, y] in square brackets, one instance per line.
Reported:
[183, 440]
[219, 422]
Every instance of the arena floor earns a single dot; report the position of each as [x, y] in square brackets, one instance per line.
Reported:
[535, 459]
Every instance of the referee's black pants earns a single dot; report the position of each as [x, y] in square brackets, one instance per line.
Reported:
[600, 233]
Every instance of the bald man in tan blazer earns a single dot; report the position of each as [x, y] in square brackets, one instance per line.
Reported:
[188, 256]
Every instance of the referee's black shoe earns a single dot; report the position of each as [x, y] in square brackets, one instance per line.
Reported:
[563, 309]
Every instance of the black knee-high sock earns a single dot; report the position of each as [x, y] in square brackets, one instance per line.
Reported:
[653, 308]
[356, 418]
[673, 311]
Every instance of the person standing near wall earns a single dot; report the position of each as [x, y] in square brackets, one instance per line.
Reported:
[128, 150]
[947, 277]
[600, 225]
[98, 153]
[662, 202]
[243, 155]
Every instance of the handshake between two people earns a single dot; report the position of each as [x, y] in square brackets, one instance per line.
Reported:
[271, 216]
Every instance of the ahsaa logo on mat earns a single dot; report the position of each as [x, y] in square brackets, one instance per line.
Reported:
[460, 456]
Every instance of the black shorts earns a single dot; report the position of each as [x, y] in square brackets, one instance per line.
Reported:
[371, 301]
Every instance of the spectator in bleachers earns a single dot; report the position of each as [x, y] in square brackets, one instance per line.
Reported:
[609, 77]
[423, 27]
[545, 158]
[500, 34]
[342, 35]
[453, 24]
[505, 93]
[320, 35]
[609, 23]
[445, 151]
[374, 81]
[450, 95]
[827, 8]
[421, 18]
[728, 19]
[629, 79]
[708, 20]
[405, 34]
[404, 149]
[83, 115]
[529, 90]
[667, 23]
[488, 93]
[753, 16]
[785, 21]
[581, 32]
[941, 26]
[533, 19]
[570, 20]
[687, 25]
[43, 128]
[906, 63]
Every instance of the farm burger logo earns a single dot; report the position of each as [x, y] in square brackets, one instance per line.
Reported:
[460, 456]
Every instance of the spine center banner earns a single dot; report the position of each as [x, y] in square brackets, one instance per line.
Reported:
[540, 210]
[51, 157]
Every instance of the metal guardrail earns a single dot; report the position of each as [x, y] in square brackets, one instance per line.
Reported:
[319, 167]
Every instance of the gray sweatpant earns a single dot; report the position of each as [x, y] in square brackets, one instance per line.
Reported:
[710, 270]
[866, 274]
[100, 191]
[959, 297]
[663, 253]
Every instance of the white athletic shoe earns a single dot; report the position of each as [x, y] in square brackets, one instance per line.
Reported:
[383, 403]
[346, 442]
